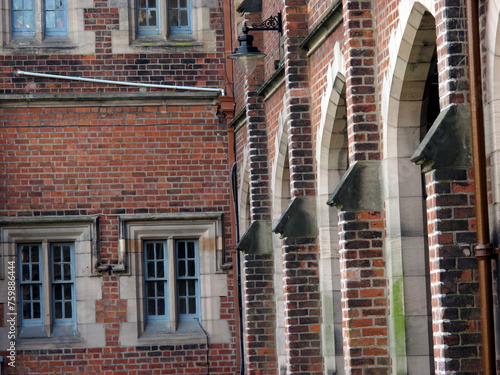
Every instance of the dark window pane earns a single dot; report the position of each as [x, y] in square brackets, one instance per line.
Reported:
[66, 253]
[182, 288]
[151, 307]
[152, 3]
[56, 254]
[183, 4]
[160, 290]
[26, 310]
[182, 306]
[159, 251]
[67, 272]
[192, 305]
[190, 249]
[191, 287]
[34, 254]
[26, 272]
[67, 292]
[161, 306]
[35, 289]
[68, 312]
[57, 272]
[152, 18]
[26, 291]
[58, 292]
[36, 310]
[58, 310]
[173, 3]
[181, 252]
[35, 274]
[181, 269]
[160, 270]
[142, 3]
[25, 254]
[151, 270]
[150, 254]
[183, 19]
[191, 268]
[150, 289]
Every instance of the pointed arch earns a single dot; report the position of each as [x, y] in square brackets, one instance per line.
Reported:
[412, 51]
[332, 162]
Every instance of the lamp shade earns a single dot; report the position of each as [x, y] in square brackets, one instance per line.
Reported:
[246, 54]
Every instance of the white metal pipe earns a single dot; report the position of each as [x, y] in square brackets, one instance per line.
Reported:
[123, 83]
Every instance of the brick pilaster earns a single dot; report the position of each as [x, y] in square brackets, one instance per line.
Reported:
[361, 100]
[300, 254]
[453, 270]
[452, 51]
[364, 293]
[259, 268]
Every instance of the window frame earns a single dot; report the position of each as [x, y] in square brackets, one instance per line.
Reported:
[207, 228]
[82, 232]
[175, 30]
[39, 21]
[48, 325]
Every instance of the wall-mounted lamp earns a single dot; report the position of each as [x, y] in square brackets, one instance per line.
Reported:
[246, 54]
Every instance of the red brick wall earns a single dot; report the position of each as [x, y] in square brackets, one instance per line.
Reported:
[454, 283]
[110, 160]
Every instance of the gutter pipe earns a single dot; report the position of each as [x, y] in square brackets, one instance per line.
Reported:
[483, 249]
[123, 83]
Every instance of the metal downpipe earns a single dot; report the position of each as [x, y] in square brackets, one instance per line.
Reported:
[483, 249]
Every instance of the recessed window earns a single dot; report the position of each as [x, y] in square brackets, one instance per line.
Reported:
[47, 289]
[24, 17]
[179, 16]
[171, 275]
[147, 12]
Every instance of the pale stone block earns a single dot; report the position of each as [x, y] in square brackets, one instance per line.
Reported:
[400, 68]
[218, 331]
[88, 288]
[85, 312]
[418, 365]
[128, 287]
[94, 335]
[394, 261]
[210, 308]
[408, 141]
[412, 216]
[128, 334]
[410, 114]
[132, 305]
[83, 265]
[415, 290]
[414, 259]
[213, 285]
[417, 338]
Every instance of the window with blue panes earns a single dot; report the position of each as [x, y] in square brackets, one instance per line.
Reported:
[179, 16]
[155, 276]
[31, 285]
[148, 17]
[59, 285]
[184, 278]
[23, 17]
[55, 17]
[187, 280]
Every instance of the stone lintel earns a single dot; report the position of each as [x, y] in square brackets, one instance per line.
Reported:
[447, 144]
[359, 189]
[257, 240]
[299, 219]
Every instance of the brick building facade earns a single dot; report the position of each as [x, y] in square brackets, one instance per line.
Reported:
[163, 212]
